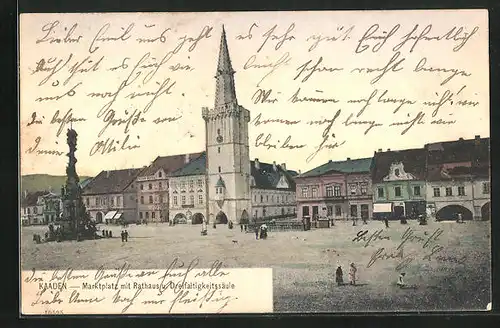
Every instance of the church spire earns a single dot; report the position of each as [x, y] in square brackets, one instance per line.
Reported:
[225, 93]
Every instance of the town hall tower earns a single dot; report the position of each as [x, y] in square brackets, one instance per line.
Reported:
[227, 148]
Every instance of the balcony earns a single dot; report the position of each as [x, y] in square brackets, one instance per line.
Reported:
[188, 206]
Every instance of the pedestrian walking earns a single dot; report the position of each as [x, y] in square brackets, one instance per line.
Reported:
[123, 236]
[352, 274]
[257, 232]
[241, 227]
[126, 236]
[339, 276]
[110, 234]
[386, 221]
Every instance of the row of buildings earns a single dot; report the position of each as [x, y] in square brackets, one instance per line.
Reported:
[221, 183]
[439, 180]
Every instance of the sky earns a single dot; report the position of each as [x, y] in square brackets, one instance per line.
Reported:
[265, 59]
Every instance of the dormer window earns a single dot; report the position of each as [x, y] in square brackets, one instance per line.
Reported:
[396, 172]
[159, 174]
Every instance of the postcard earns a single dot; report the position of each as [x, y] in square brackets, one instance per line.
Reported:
[254, 162]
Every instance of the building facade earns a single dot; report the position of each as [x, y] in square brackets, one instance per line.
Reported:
[153, 185]
[32, 208]
[187, 193]
[458, 179]
[111, 197]
[398, 179]
[273, 191]
[52, 207]
[336, 190]
[227, 148]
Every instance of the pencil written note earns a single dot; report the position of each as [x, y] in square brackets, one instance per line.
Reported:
[168, 291]
[317, 84]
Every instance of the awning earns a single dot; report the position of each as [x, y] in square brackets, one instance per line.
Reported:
[109, 215]
[382, 208]
[118, 216]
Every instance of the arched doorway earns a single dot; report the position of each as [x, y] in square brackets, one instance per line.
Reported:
[486, 211]
[98, 217]
[221, 218]
[180, 218]
[244, 217]
[197, 218]
[450, 213]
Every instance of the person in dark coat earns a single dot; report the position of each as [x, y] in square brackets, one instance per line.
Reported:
[386, 221]
[257, 232]
[241, 227]
[126, 235]
[123, 236]
[110, 234]
[339, 276]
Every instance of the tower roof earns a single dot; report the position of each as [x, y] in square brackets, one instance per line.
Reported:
[224, 64]
[225, 94]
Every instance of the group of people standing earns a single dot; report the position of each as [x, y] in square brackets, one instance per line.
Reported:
[261, 232]
[107, 234]
[339, 275]
[124, 236]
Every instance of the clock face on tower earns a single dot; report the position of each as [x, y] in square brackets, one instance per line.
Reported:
[219, 138]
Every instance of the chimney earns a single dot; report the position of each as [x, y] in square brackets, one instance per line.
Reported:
[329, 161]
[388, 149]
[274, 166]
[283, 166]
[257, 164]
[477, 137]
[107, 174]
[348, 159]
[477, 140]
[300, 172]
[186, 158]
[460, 139]
[380, 150]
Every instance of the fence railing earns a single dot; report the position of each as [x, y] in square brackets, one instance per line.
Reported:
[277, 226]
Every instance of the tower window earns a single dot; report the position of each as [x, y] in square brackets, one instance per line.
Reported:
[219, 169]
[218, 131]
[218, 150]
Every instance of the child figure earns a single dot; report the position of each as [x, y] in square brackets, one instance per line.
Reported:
[339, 276]
[352, 274]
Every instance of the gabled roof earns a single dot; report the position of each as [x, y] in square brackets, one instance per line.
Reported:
[169, 164]
[462, 150]
[220, 183]
[108, 182]
[414, 162]
[456, 173]
[31, 198]
[266, 177]
[196, 166]
[361, 165]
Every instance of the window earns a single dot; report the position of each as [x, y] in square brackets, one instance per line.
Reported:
[397, 191]
[150, 199]
[140, 215]
[380, 192]
[486, 187]
[112, 201]
[35, 210]
[461, 191]
[354, 211]
[200, 183]
[364, 189]
[200, 199]
[191, 184]
[153, 214]
[305, 192]
[338, 210]
[267, 198]
[191, 199]
[159, 174]
[96, 201]
[449, 191]
[255, 198]
[142, 199]
[261, 198]
[142, 186]
[218, 150]
[183, 200]
[160, 199]
[396, 172]
[219, 169]
[314, 192]
[329, 191]
[416, 190]
[336, 191]
[437, 192]
[305, 210]
[329, 210]
[147, 215]
[160, 186]
[353, 188]
[87, 201]
[118, 201]
[175, 200]
[150, 186]
[272, 198]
